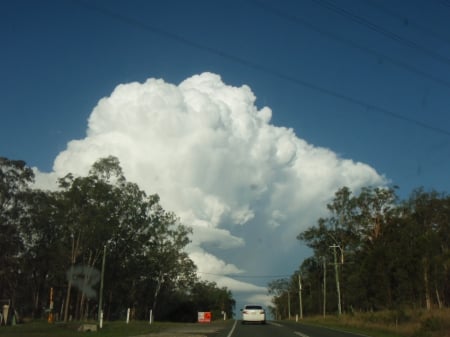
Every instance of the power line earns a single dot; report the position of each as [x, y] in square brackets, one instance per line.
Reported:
[368, 24]
[299, 21]
[245, 276]
[408, 22]
[445, 3]
[258, 67]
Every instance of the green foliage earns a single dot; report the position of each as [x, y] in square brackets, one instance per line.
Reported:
[56, 242]
[14, 180]
[432, 324]
[393, 323]
[393, 254]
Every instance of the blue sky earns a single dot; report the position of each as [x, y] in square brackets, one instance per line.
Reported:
[60, 57]
[368, 80]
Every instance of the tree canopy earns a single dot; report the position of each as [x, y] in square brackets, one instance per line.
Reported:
[374, 252]
[53, 242]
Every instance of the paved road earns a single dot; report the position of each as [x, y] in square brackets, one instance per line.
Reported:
[279, 329]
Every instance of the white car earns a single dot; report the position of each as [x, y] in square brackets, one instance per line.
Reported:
[253, 313]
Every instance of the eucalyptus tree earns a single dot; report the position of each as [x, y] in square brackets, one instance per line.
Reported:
[347, 236]
[89, 205]
[428, 215]
[58, 239]
[207, 296]
[279, 290]
[15, 178]
[335, 235]
[165, 263]
[143, 242]
[313, 283]
[43, 255]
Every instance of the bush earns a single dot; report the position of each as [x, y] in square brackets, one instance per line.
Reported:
[432, 324]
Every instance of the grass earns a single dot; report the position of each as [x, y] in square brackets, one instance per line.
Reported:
[110, 329]
[399, 323]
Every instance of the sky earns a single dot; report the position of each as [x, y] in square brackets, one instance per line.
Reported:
[244, 116]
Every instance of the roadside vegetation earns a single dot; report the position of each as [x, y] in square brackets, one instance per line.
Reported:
[409, 323]
[377, 261]
[41, 328]
[101, 241]
[97, 241]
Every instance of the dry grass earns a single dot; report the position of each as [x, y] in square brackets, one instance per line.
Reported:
[112, 329]
[408, 323]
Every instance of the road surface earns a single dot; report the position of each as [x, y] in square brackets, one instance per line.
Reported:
[280, 329]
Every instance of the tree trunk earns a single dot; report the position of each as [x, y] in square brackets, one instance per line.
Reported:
[426, 284]
[73, 258]
[66, 309]
[35, 303]
[438, 298]
[157, 289]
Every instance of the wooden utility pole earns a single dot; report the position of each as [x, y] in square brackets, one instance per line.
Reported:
[289, 304]
[336, 272]
[100, 301]
[324, 286]
[69, 281]
[300, 295]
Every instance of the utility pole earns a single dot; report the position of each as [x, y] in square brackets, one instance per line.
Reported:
[100, 301]
[69, 281]
[300, 295]
[324, 286]
[336, 272]
[289, 304]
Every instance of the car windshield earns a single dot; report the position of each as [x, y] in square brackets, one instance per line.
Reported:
[253, 307]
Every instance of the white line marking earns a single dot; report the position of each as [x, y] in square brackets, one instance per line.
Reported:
[300, 334]
[232, 329]
[346, 331]
[276, 324]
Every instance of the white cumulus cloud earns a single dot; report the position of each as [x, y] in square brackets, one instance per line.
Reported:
[246, 187]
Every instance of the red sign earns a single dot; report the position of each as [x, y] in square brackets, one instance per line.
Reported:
[204, 317]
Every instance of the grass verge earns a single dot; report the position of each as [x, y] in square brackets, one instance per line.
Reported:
[110, 329]
[399, 323]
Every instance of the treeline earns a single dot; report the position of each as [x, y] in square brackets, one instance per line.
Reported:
[54, 244]
[372, 252]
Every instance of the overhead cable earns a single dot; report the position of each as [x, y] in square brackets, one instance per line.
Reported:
[408, 22]
[297, 20]
[379, 29]
[258, 67]
[245, 276]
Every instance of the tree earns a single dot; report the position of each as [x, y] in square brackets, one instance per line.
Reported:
[55, 240]
[15, 178]
[42, 258]
[207, 296]
[429, 214]
[279, 289]
[145, 241]
[313, 280]
[349, 237]
[167, 264]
